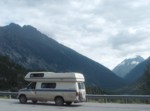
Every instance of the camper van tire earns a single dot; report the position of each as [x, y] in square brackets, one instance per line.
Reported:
[23, 99]
[68, 103]
[34, 101]
[59, 101]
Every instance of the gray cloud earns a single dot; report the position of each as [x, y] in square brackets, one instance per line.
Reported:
[126, 39]
[105, 30]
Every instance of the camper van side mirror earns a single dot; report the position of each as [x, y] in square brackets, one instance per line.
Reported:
[28, 87]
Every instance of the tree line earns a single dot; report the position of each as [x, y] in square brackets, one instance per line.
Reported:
[11, 75]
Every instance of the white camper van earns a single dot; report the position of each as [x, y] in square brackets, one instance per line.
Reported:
[49, 86]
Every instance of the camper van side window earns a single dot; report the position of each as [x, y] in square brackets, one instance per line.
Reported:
[48, 85]
[37, 75]
[31, 85]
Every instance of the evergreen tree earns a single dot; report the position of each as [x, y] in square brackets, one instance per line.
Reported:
[11, 75]
[94, 90]
[147, 77]
[144, 85]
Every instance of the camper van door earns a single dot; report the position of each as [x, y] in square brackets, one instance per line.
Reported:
[31, 92]
[45, 91]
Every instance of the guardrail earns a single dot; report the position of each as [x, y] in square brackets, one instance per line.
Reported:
[124, 98]
[9, 94]
[118, 96]
[105, 98]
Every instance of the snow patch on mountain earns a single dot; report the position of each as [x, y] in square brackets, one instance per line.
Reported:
[135, 62]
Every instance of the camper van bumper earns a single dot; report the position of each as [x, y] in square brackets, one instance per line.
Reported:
[79, 101]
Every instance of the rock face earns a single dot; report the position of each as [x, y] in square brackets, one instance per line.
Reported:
[38, 52]
[127, 65]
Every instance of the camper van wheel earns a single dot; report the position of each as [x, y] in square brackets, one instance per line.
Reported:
[34, 101]
[68, 103]
[23, 99]
[59, 101]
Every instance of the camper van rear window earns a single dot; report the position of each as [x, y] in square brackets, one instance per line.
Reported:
[37, 75]
[81, 86]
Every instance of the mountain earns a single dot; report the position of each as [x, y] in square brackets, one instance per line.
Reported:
[33, 50]
[138, 71]
[127, 65]
[139, 87]
[142, 85]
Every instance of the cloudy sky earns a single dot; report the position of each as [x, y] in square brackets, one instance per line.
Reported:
[106, 31]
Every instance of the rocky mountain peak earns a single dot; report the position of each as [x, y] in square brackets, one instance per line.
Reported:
[127, 65]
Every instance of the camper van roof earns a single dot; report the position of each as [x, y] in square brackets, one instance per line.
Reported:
[52, 76]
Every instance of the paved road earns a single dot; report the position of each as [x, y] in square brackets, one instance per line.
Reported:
[14, 105]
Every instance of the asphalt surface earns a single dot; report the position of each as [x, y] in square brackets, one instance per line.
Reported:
[14, 105]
